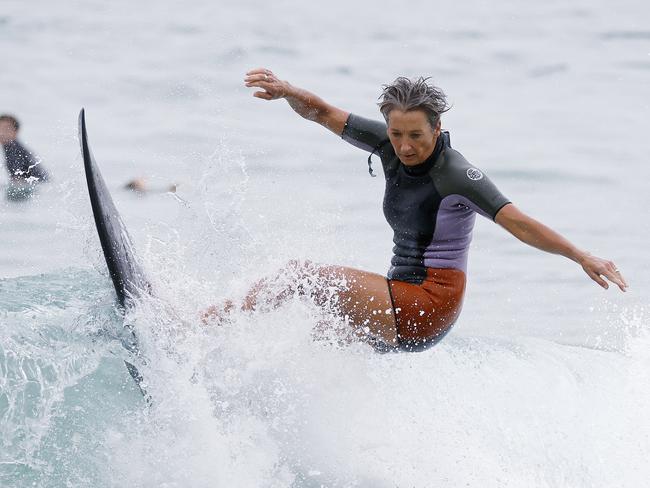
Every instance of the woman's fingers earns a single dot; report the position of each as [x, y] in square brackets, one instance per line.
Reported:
[617, 278]
[612, 273]
[269, 93]
[264, 95]
[596, 277]
[599, 269]
[260, 75]
[258, 78]
[259, 71]
[622, 280]
[265, 79]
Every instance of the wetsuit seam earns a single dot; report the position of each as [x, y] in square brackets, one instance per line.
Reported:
[392, 306]
[345, 126]
[494, 217]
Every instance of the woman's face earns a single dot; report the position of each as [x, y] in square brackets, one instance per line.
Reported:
[411, 135]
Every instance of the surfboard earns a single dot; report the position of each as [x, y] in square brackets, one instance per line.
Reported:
[126, 273]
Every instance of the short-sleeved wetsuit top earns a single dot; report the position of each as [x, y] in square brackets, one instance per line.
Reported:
[431, 207]
[21, 163]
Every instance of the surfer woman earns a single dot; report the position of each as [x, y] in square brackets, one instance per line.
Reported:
[432, 195]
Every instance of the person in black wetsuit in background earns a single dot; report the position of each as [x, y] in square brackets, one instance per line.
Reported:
[23, 166]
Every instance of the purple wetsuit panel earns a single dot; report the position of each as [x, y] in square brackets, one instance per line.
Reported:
[450, 243]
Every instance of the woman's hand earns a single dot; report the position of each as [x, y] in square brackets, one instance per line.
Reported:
[598, 269]
[265, 79]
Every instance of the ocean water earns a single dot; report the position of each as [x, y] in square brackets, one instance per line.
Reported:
[543, 381]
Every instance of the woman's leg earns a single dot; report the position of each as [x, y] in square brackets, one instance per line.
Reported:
[362, 298]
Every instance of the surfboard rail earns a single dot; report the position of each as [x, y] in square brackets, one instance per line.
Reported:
[126, 273]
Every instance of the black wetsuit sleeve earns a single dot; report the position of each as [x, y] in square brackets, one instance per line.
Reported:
[472, 187]
[364, 133]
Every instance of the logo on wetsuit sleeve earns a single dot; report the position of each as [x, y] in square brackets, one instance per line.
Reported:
[474, 174]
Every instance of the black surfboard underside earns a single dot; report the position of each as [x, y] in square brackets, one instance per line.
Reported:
[127, 275]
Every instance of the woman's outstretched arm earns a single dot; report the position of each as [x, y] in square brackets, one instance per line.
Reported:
[536, 234]
[303, 102]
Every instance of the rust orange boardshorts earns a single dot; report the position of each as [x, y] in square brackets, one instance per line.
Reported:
[425, 312]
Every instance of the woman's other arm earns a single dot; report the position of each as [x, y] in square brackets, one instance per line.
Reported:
[303, 102]
[536, 234]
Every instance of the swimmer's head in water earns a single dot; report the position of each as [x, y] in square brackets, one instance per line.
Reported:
[9, 126]
[406, 95]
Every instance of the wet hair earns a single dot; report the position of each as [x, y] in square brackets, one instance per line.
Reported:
[406, 95]
[11, 119]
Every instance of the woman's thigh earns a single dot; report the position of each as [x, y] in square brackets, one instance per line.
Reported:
[363, 298]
